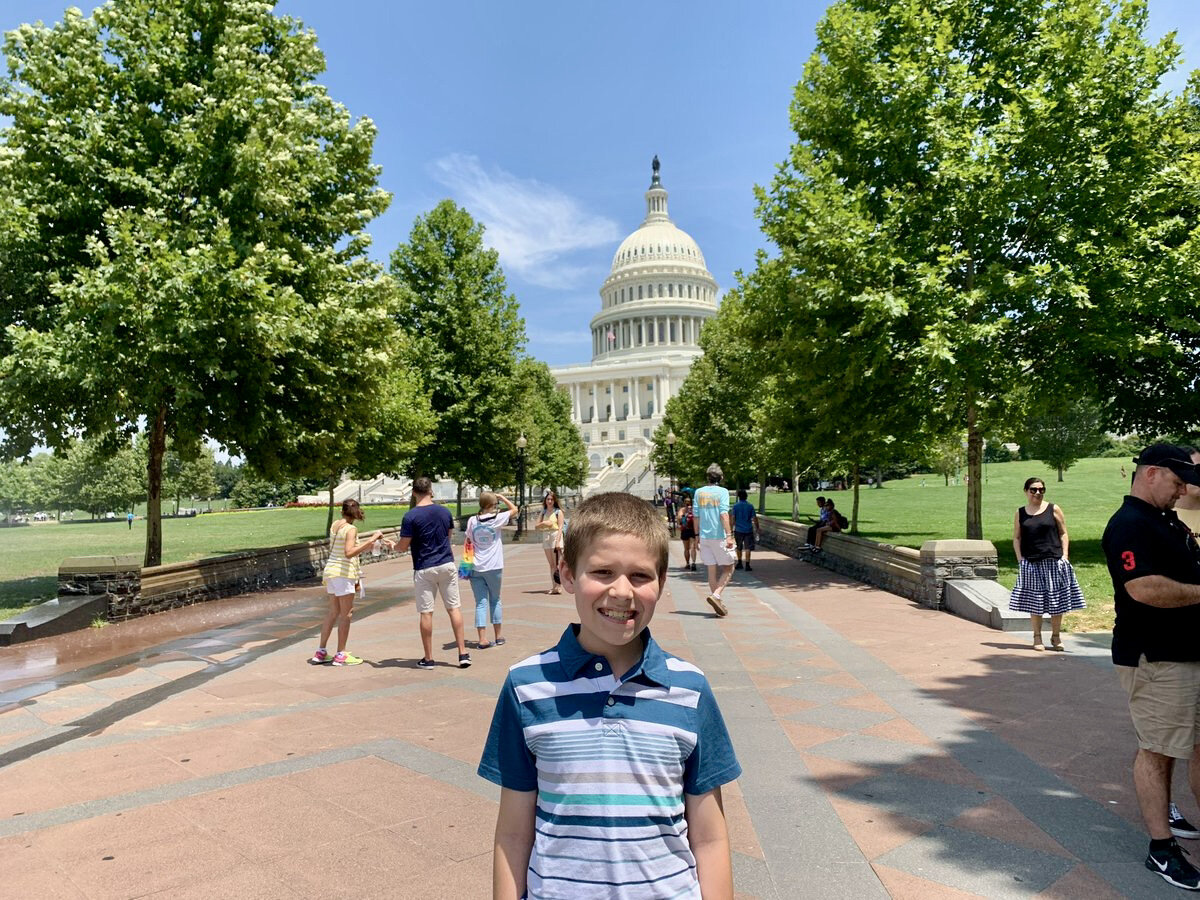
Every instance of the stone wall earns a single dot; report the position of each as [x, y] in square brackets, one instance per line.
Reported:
[131, 590]
[917, 574]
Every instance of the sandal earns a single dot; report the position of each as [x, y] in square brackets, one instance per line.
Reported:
[481, 645]
[1057, 644]
[499, 642]
[1038, 645]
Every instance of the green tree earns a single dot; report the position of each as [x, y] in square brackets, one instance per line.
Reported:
[189, 477]
[1062, 432]
[959, 196]
[556, 455]
[466, 335]
[104, 474]
[16, 486]
[182, 232]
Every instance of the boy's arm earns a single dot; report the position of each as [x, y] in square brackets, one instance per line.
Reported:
[514, 842]
[708, 837]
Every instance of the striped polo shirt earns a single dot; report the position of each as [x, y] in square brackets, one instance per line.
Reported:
[610, 759]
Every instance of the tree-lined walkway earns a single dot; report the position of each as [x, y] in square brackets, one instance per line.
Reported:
[888, 750]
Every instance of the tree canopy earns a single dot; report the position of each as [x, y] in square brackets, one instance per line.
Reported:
[970, 184]
[467, 336]
[182, 233]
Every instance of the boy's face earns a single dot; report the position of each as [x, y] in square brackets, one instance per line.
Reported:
[616, 587]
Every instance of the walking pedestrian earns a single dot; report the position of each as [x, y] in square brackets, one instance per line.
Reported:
[343, 579]
[426, 530]
[1156, 591]
[745, 528]
[551, 527]
[1046, 585]
[483, 531]
[687, 533]
[716, 536]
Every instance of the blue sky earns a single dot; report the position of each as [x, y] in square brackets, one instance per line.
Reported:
[541, 119]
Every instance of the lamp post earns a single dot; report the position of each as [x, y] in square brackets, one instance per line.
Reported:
[521, 442]
[671, 478]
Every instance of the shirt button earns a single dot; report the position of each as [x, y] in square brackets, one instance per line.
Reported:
[599, 667]
[612, 701]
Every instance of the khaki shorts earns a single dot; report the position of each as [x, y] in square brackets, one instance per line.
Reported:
[428, 582]
[1164, 702]
[714, 553]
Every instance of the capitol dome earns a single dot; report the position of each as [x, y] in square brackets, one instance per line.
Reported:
[659, 290]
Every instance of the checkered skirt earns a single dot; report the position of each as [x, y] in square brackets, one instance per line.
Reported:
[1046, 587]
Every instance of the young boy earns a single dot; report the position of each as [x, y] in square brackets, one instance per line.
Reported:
[610, 752]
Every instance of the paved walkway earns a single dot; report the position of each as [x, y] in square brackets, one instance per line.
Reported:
[888, 750]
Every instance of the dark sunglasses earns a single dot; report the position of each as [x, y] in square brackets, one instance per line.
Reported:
[1034, 490]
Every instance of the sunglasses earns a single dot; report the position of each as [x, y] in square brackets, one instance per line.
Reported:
[1036, 490]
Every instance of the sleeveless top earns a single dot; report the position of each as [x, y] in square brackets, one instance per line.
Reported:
[553, 539]
[1039, 535]
[338, 566]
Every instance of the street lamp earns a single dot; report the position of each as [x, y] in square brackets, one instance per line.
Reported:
[671, 461]
[521, 443]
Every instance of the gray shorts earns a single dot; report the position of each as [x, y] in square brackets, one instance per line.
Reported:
[428, 582]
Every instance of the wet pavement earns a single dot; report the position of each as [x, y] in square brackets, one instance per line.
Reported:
[888, 750]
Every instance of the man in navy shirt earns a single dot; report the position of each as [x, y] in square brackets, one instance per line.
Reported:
[745, 527]
[426, 530]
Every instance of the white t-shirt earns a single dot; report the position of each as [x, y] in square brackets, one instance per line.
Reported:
[484, 533]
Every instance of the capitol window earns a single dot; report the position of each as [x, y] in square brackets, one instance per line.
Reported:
[670, 290]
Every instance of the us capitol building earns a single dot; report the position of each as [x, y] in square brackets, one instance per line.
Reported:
[644, 340]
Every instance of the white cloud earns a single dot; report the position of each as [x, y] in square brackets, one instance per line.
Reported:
[532, 225]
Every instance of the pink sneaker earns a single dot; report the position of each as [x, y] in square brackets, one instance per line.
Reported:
[320, 657]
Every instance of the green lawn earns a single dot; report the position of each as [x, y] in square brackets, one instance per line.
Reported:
[905, 513]
[29, 556]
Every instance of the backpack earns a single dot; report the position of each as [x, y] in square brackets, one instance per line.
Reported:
[843, 522]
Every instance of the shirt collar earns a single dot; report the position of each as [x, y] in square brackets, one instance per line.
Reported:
[651, 667]
[1150, 508]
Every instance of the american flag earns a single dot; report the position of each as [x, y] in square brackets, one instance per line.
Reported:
[612, 336]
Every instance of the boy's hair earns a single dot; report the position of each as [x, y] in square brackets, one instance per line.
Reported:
[487, 500]
[714, 474]
[741, 493]
[821, 500]
[422, 487]
[616, 513]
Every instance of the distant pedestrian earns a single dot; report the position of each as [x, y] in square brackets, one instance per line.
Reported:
[745, 528]
[129, 519]
[609, 752]
[1156, 590]
[1046, 585]
[343, 580]
[551, 527]
[716, 536]
[687, 533]
[426, 529]
[483, 531]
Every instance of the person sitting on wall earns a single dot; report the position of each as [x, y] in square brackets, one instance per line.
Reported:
[821, 519]
[835, 522]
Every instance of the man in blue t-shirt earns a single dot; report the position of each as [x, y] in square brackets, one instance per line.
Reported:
[745, 528]
[711, 504]
[426, 530]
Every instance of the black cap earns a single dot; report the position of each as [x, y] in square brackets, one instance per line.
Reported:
[1170, 456]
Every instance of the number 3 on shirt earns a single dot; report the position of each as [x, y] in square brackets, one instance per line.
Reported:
[1129, 561]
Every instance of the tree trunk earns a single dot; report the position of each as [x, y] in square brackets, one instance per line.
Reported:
[154, 473]
[762, 492]
[458, 501]
[795, 492]
[1060, 471]
[974, 474]
[854, 508]
[329, 518]
[878, 477]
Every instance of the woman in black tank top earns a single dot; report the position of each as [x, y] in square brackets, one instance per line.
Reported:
[1046, 584]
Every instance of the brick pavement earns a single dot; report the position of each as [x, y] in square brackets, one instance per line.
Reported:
[888, 750]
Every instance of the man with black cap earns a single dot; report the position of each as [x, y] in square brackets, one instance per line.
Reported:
[1156, 588]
